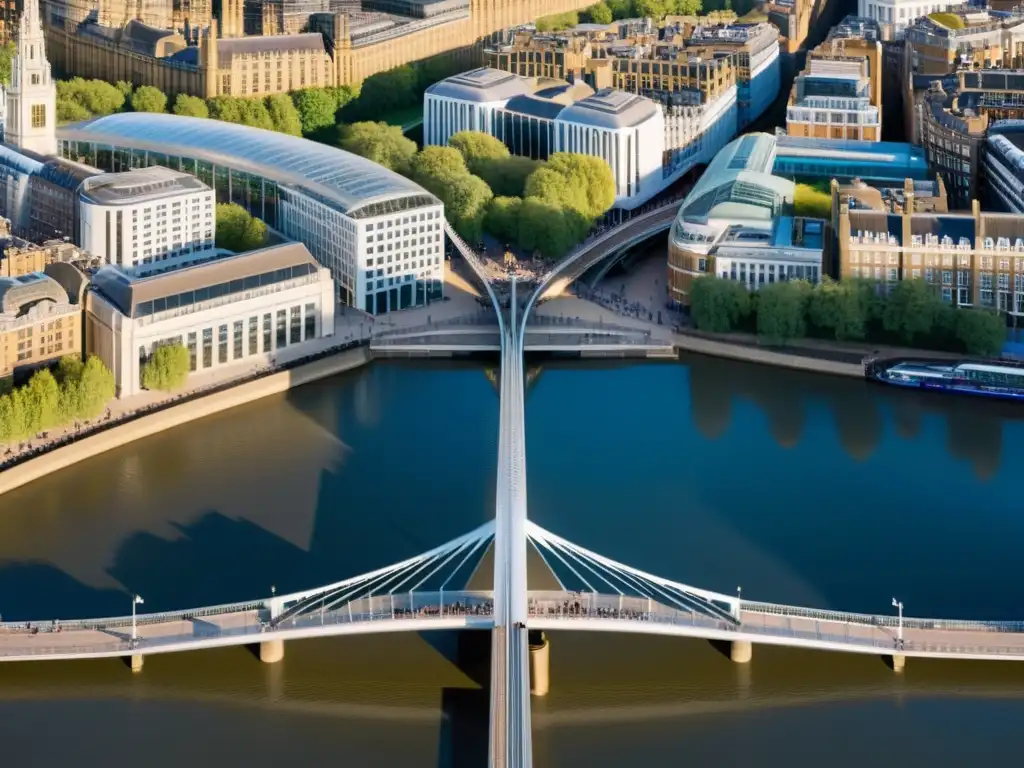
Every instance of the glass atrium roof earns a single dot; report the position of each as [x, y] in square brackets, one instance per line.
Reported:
[341, 178]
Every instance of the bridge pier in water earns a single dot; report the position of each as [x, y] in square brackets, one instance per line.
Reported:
[898, 662]
[271, 651]
[135, 662]
[540, 664]
[741, 651]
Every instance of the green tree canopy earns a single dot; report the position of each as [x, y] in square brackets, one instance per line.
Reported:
[149, 99]
[252, 112]
[655, 9]
[465, 201]
[782, 311]
[7, 51]
[237, 230]
[507, 176]
[687, 7]
[433, 167]
[384, 92]
[718, 306]
[71, 111]
[981, 331]
[43, 394]
[283, 115]
[167, 368]
[126, 88]
[96, 96]
[589, 185]
[502, 219]
[190, 106]
[316, 108]
[911, 310]
[557, 21]
[478, 149]
[95, 388]
[598, 13]
[546, 227]
[621, 9]
[384, 144]
[842, 309]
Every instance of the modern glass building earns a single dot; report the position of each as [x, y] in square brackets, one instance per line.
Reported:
[380, 235]
[888, 162]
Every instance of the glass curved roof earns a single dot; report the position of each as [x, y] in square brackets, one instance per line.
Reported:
[339, 177]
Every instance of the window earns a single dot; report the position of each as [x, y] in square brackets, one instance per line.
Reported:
[267, 344]
[38, 115]
[254, 339]
[282, 329]
[239, 326]
[295, 335]
[310, 321]
[207, 347]
[222, 344]
[192, 351]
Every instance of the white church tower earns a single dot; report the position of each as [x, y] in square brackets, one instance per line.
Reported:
[31, 109]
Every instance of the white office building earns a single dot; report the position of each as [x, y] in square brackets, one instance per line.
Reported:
[151, 218]
[535, 118]
[237, 311]
[380, 234]
[902, 13]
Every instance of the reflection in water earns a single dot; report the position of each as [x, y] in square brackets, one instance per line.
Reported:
[860, 410]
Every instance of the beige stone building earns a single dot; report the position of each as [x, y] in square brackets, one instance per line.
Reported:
[38, 324]
[340, 47]
[971, 258]
[18, 257]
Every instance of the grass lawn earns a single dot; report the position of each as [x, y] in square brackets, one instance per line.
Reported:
[812, 202]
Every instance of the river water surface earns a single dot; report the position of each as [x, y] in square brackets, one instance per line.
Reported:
[800, 489]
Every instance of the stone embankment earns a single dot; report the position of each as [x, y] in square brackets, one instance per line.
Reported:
[176, 415]
[685, 342]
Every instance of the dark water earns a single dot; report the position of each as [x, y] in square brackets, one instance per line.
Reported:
[800, 489]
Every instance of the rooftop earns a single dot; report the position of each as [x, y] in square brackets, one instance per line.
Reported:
[140, 296]
[610, 108]
[483, 85]
[139, 186]
[19, 294]
[345, 181]
[309, 41]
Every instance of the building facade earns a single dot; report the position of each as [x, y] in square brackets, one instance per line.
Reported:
[244, 310]
[31, 98]
[737, 223]
[899, 14]
[19, 257]
[1004, 167]
[38, 323]
[953, 139]
[147, 218]
[978, 39]
[330, 200]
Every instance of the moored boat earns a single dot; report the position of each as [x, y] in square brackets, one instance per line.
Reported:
[996, 379]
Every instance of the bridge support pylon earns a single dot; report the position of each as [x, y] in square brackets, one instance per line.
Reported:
[741, 651]
[135, 662]
[540, 664]
[271, 651]
[899, 661]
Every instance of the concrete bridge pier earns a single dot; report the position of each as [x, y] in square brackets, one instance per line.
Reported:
[898, 662]
[540, 664]
[741, 651]
[135, 662]
[271, 651]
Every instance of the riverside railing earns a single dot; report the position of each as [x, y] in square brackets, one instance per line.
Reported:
[866, 619]
[15, 640]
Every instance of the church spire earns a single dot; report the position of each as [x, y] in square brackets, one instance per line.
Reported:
[31, 119]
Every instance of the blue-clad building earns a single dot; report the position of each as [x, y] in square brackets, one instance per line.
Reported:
[875, 162]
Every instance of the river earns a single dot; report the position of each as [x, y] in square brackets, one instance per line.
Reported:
[798, 488]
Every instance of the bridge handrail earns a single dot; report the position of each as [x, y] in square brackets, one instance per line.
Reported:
[867, 619]
[482, 317]
[116, 622]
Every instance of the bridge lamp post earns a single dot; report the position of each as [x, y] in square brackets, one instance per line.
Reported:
[136, 600]
[899, 627]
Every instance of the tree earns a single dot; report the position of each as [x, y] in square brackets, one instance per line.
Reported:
[237, 230]
[910, 310]
[557, 21]
[44, 394]
[589, 184]
[384, 92]
[190, 106]
[96, 388]
[434, 69]
[502, 219]
[167, 368]
[125, 87]
[841, 309]
[549, 185]
[252, 112]
[96, 96]
[782, 311]
[316, 108]
[507, 176]
[7, 51]
[283, 115]
[621, 9]
[688, 7]
[981, 331]
[545, 227]
[654, 9]
[71, 111]
[433, 167]
[382, 143]
[149, 99]
[599, 13]
[718, 305]
[465, 201]
[478, 149]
